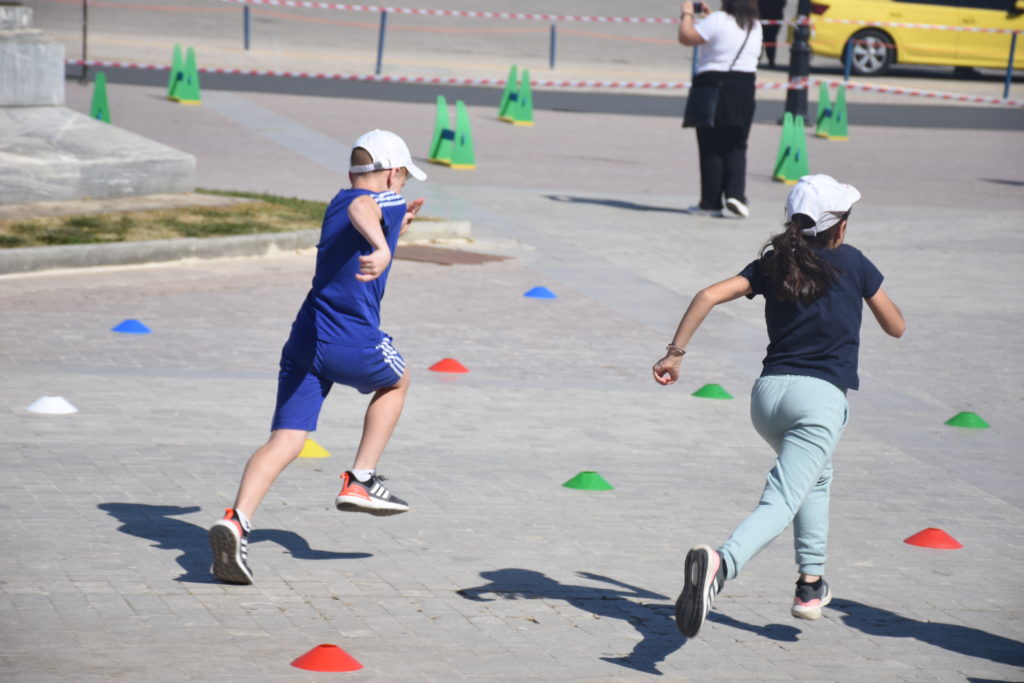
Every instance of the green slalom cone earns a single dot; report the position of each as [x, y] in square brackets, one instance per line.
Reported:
[824, 112]
[100, 108]
[837, 125]
[444, 136]
[588, 481]
[799, 165]
[186, 89]
[523, 111]
[507, 93]
[177, 70]
[967, 420]
[712, 391]
[462, 153]
[785, 147]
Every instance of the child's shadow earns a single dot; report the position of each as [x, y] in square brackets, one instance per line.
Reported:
[156, 523]
[964, 640]
[653, 621]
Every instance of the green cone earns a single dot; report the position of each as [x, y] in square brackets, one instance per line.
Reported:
[967, 420]
[588, 481]
[100, 109]
[506, 94]
[712, 391]
[824, 112]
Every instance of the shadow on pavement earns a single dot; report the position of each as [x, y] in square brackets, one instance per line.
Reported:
[964, 640]
[779, 632]
[156, 523]
[613, 203]
[654, 622]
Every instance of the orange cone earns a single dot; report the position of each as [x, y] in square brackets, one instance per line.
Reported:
[448, 365]
[327, 658]
[933, 538]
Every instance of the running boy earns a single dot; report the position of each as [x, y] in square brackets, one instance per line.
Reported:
[336, 339]
[813, 285]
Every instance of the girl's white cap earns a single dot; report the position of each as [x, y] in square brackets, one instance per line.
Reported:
[817, 195]
[387, 151]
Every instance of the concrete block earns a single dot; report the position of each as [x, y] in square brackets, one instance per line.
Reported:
[54, 153]
[15, 17]
[31, 69]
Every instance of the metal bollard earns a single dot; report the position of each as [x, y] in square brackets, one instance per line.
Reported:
[245, 26]
[553, 49]
[848, 60]
[380, 39]
[696, 58]
[1009, 66]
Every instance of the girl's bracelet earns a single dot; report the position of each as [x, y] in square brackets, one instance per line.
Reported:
[678, 349]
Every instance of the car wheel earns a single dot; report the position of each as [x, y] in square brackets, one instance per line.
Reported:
[873, 52]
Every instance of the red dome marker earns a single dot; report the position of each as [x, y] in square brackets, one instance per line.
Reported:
[448, 365]
[933, 538]
[327, 658]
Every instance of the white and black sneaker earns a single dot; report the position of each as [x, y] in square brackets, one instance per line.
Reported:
[230, 545]
[369, 496]
[737, 207]
[705, 577]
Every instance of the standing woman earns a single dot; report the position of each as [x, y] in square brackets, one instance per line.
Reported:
[730, 46]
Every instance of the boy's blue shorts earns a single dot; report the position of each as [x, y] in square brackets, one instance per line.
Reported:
[310, 367]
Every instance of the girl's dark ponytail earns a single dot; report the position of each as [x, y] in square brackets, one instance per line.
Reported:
[791, 263]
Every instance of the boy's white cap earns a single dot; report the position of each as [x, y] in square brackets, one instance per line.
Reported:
[387, 151]
[815, 196]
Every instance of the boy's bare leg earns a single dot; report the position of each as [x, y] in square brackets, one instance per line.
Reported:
[381, 417]
[269, 460]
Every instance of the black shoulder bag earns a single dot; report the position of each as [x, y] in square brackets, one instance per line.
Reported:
[702, 102]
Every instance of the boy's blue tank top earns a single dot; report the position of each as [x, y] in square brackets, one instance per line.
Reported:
[339, 308]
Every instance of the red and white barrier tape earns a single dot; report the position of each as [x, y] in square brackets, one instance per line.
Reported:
[537, 83]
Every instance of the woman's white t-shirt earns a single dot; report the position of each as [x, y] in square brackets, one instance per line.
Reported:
[723, 37]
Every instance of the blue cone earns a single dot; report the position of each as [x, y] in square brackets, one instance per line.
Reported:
[540, 293]
[130, 326]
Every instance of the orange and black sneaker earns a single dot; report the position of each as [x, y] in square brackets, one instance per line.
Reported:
[230, 545]
[369, 496]
[810, 598]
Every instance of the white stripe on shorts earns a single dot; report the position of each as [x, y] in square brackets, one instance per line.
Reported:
[391, 357]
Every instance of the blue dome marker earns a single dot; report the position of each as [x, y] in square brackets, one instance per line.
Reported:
[540, 293]
[130, 326]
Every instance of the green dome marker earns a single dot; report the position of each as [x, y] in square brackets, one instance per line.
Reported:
[588, 481]
[712, 391]
[967, 420]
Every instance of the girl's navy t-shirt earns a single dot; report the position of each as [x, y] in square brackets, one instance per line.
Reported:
[820, 339]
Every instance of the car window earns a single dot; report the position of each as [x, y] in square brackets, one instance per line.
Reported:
[1002, 5]
[943, 3]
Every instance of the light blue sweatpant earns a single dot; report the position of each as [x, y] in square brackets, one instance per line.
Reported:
[802, 419]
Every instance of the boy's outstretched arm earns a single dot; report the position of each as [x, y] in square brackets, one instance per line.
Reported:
[366, 216]
[666, 370]
[410, 214]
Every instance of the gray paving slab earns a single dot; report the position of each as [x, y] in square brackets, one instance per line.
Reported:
[499, 573]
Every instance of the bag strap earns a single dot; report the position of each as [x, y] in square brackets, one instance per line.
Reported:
[743, 45]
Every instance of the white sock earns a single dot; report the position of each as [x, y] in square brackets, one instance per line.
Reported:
[362, 476]
[244, 521]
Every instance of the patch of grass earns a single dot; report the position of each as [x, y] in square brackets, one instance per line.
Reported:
[268, 213]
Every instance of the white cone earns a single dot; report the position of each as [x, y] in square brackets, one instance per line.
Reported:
[52, 405]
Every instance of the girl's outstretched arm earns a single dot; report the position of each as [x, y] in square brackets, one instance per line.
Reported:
[887, 313]
[666, 370]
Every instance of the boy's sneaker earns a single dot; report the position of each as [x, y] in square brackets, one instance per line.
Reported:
[810, 598]
[370, 496]
[230, 545]
[704, 579]
[737, 208]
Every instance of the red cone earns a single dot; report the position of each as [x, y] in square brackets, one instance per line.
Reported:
[933, 538]
[327, 658]
[448, 365]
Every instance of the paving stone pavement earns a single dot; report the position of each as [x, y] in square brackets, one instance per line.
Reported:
[498, 573]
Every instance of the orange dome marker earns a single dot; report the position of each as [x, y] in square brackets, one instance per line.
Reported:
[933, 538]
[327, 658]
[448, 365]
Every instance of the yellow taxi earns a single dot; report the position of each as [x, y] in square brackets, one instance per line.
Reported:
[876, 48]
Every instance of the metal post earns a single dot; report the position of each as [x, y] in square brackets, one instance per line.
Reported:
[848, 60]
[85, 41]
[380, 39]
[799, 62]
[553, 50]
[693, 65]
[1009, 66]
[245, 26]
